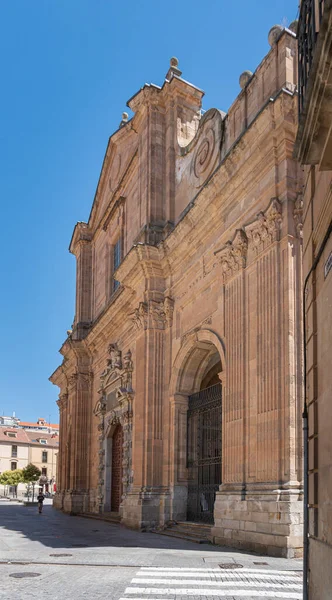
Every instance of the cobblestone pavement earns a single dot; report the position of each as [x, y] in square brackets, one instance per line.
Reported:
[75, 558]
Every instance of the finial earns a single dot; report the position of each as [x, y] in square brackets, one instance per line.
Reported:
[173, 69]
[244, 78]
[124, 119]
[274, 34]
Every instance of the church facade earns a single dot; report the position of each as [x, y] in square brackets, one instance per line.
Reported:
[181, 380]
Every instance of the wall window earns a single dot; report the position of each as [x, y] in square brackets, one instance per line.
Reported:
[116, 261]
[44, 456]
[13, 466]
[44, 471]
[14, 451]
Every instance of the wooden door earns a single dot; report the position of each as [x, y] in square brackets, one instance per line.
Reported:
[116, 488]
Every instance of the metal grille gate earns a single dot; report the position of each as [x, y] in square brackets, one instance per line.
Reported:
[204, 453]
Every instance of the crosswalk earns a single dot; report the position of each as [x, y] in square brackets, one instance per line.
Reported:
[163, 583]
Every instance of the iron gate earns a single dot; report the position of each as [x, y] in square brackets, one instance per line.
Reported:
[203, 453]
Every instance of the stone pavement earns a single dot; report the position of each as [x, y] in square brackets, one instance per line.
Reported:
[72, 557]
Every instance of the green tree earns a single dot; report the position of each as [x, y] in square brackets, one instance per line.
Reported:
[12, 478]
[31, 474]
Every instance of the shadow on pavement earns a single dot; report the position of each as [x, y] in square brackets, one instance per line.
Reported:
[55, 529]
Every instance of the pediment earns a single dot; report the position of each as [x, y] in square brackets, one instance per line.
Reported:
[116, 170]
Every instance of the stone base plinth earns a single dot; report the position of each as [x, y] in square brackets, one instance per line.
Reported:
[146, 508]
[179, 500]
[75, 501]
[58, 500]
[265, 521]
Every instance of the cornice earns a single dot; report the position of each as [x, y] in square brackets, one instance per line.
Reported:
[141, 260]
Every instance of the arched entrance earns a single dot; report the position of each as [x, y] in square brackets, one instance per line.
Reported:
[197, 379]
[116, 472]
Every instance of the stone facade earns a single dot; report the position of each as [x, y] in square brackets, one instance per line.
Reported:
[314, 151]
[203, 209]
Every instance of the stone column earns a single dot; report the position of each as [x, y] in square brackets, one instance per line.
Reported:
[259, 503]
[142, 507]
[178, 457]
[78, 436]
[60, 475]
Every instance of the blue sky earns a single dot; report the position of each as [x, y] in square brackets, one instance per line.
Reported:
[67, 69]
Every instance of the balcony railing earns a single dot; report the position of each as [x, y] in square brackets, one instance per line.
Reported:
[311, 13]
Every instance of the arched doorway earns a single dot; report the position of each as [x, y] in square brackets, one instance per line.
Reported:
[198, 373]
[116, 472]
[204, 447]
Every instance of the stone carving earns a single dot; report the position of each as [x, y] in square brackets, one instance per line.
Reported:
[100, 407]
[298, 215]
[233, 255]
[157, 314]
[208, 142]
[169, 309]
[118, 368]
[62, 401]
[265, 229]
[139, 316]
[118, 373]
[72, 379]
[153, 314]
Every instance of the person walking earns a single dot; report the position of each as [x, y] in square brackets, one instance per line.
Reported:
[40, 499]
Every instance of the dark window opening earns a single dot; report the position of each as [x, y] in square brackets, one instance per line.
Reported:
[116, 262]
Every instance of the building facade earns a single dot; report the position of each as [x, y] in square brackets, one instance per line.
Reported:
[314, 151]
[14, 454]
[181, 381]
[19, 448]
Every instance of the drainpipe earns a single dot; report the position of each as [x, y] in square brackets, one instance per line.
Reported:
[305, 424]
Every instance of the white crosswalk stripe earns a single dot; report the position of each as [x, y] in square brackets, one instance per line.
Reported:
[157, 583]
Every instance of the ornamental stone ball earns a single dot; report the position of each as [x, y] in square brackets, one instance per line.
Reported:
[244, 78]
[274, 33]
[174, 62]
[293, 26]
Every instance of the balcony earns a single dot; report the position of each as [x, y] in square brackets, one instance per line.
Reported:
[314, 139]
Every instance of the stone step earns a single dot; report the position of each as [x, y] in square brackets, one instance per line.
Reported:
[183, 536]
[109, 517]
[186, 530]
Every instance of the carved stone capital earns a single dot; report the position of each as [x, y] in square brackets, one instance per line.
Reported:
[265, 230]
[169, 309]
[62, 401]
[153, 314]
[140, 316]
[72, 380]
[233, 256]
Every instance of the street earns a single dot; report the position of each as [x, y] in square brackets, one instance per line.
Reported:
[63, 557]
